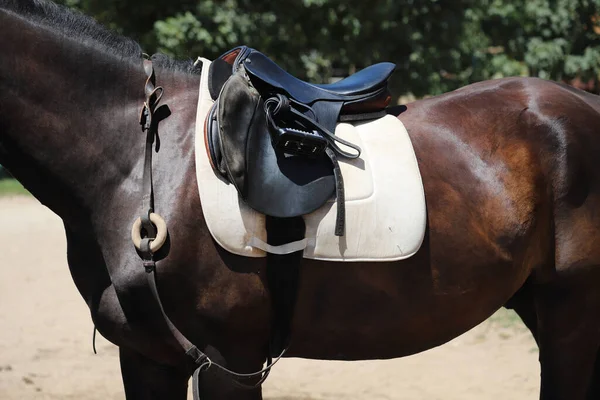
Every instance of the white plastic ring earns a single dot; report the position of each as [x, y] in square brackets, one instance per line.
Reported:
[161, 233]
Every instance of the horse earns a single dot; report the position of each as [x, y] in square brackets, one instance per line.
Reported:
[512, 187]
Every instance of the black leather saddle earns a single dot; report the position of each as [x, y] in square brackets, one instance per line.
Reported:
[270, 134]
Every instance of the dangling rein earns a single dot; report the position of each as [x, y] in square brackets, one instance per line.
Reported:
[149, 233]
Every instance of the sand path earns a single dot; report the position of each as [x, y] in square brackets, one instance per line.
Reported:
[46, 340]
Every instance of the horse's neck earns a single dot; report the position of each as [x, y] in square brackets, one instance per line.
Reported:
[69, 116]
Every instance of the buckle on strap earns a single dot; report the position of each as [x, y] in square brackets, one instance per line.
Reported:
[199, 357]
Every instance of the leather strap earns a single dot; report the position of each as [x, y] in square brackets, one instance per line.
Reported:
[150, 126]
[283, 277]
[340, 220]
[153, 96]
[190, 349]
[199, 358]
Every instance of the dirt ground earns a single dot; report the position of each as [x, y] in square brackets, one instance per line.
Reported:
[46, 340]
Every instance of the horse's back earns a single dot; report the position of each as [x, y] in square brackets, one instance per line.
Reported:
[521, 151]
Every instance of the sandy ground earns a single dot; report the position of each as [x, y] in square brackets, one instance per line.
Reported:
[46, 340]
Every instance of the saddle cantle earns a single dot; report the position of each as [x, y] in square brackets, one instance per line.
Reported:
[270, 133]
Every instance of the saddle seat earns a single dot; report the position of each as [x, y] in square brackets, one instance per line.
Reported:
[362, 86]
[362, 92]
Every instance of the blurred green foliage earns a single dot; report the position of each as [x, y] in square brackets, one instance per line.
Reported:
[552, 39]
[439, 45]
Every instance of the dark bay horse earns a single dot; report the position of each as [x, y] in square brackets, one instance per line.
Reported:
[512, 182]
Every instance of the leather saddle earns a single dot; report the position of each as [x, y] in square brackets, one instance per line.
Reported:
[270, 134]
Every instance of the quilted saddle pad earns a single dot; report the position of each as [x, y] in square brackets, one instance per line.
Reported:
[385, 201]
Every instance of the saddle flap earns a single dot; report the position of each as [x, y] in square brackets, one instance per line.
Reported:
[268, 180]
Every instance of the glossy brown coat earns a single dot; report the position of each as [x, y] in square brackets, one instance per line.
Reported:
[512, 186]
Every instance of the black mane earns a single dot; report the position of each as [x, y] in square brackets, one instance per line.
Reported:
[74, 24]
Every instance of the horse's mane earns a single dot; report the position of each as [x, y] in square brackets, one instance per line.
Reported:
[74, 24]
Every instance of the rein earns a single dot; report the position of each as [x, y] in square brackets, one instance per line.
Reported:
[154, 229]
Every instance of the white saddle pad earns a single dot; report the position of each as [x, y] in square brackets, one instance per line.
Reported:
[385, 202]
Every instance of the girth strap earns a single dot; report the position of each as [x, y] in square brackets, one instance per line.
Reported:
[283, 273]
